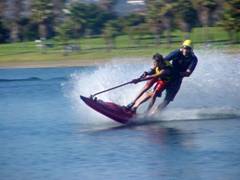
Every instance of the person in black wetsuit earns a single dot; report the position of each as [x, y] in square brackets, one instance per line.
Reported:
[183, 62]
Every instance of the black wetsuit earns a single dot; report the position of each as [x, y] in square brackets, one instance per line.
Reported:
[180, 64]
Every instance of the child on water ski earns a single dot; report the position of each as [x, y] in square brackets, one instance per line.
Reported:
[159, 75]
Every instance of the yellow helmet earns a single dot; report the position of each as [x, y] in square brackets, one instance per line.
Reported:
[187, 43]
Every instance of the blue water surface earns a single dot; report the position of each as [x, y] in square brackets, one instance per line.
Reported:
[42, 137]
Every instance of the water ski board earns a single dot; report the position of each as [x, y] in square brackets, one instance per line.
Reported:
[109, 109]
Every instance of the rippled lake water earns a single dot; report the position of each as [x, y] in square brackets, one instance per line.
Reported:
[47, 133]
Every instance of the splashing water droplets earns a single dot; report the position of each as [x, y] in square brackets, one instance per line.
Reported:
[213, 84]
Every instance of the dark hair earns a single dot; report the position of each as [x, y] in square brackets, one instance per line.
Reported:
[158, 57]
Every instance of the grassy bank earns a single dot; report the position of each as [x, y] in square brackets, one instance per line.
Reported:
[94, 49]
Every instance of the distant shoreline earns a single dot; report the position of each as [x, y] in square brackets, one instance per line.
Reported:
[49, 64]
[68, 63]
[86, 61]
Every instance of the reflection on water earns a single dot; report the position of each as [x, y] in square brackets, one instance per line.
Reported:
[176, 150]
[156, 132]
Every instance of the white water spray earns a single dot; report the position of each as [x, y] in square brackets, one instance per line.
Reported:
[213, 85]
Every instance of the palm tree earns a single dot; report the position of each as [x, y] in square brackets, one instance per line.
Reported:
[110, 32]
[168, 11]
[160, 17]
[205, 9]
[78, 14]
[154, 18]
[186, 16]
[231, 19]
[58, 6]
[42, 12]
[14, 8]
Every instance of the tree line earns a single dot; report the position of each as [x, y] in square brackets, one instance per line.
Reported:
[46, 19]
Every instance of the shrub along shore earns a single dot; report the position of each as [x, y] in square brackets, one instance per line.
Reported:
[93, 50]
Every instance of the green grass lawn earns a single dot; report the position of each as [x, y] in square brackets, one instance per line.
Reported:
[95, 48]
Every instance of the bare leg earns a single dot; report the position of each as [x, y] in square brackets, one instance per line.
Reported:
[160, 107]
[145, 88]
[141, 100]
[152, 101]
